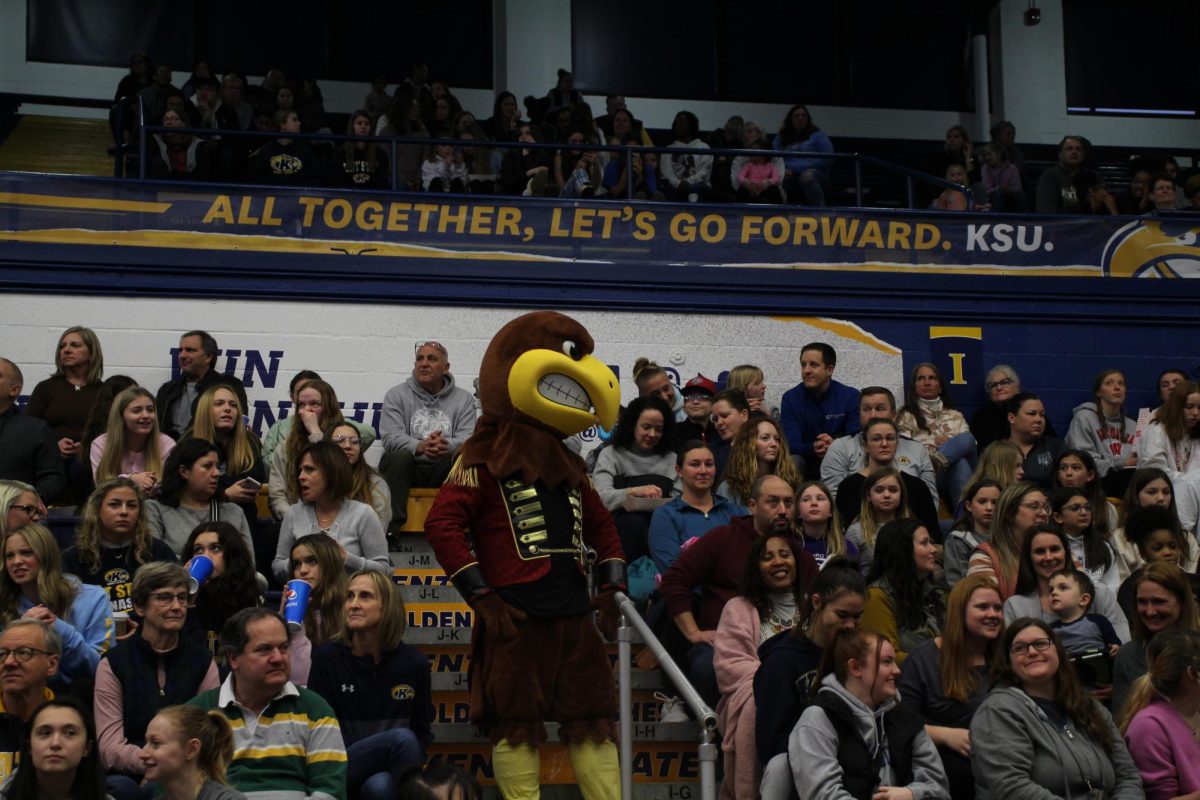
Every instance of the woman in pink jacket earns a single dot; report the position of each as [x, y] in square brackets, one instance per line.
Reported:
[768, 606]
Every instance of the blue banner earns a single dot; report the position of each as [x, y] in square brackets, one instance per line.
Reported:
[38, 209]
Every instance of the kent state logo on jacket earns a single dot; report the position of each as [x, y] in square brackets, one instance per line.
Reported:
[285, 164]
[402, 691]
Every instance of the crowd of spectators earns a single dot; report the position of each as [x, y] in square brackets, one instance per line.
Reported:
[773, 532]
[996, 176]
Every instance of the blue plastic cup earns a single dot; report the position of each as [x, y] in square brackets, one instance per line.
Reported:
[199, 571]
[295, 603]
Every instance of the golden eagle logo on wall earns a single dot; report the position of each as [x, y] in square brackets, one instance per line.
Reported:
[1160, 248]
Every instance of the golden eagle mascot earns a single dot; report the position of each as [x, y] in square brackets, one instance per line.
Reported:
[516, 526]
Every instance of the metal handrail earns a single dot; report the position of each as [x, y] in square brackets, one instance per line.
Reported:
[625, 150]
[631, 620]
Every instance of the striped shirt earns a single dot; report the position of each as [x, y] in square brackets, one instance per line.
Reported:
[292, 750]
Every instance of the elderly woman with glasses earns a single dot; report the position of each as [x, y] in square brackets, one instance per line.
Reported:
[19, 505]
[990, 423]
[1040, 734]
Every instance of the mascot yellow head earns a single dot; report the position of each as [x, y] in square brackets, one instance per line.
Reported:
[540, 366]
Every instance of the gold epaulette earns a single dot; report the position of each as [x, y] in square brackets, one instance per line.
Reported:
[463, 476]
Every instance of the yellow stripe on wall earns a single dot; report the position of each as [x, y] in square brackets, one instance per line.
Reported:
[96, 203]
[950, 331]
[846, 330]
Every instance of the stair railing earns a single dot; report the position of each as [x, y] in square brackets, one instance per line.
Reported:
[631, 620]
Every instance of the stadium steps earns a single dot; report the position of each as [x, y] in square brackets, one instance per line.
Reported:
[666, 763]
[59, 145]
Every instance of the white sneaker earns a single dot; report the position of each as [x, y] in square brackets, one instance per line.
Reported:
[693, 198]
[673, 709]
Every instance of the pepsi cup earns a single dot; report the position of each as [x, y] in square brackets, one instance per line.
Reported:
[295, 603]
[199, 571]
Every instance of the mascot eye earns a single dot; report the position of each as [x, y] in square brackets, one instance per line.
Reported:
[572, 349]
[1188, 238]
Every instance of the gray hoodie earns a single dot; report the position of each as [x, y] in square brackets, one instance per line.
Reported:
[410, 414]
[813, 751]
[1109, 442]
[1021, 755]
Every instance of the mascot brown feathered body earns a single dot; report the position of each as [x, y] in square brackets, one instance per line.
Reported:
[516, 526]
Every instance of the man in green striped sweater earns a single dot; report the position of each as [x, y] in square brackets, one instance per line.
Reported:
[287, 743]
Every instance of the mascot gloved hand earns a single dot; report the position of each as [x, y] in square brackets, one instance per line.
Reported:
[497, 615]
[514, 527]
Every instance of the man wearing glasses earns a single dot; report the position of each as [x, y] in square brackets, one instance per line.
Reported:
[28, 452]
[154, 667]
[423, 422]
[29, 654]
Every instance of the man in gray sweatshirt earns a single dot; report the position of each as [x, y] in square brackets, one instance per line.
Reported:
[423, 422]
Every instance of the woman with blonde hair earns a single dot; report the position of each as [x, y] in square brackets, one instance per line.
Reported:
[19, 505]
[187, 753]
[113, 541]
[64, 399]
[1020, 507]
[32, 585]
[220, 419]
[884, 498]
[1001, 462]
[818, 524]
[758, 449]
[386, 732]
[132, 445]
[751, 381]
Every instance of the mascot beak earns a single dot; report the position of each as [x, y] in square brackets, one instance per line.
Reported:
[568, 394]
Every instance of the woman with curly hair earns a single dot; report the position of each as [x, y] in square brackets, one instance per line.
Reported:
[32, 585]
[903, 601]
[636, 474]
[316, 410]
[757, 450]
[231, 587]
[1039, 733]
[113, 541]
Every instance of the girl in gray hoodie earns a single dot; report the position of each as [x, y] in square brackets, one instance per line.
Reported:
[856, 740]
[1101, 429]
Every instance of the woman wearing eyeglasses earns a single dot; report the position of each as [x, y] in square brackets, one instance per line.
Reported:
[1020, 507]
[369, 485]
[1040, 734]
[156, 667]
[19, 505]
[33, 585]
[990, 423]
[880, 438]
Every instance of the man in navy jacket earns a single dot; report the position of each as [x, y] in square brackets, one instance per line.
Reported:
[820, 409]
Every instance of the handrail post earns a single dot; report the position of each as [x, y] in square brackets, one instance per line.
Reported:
[625, 662]
[395, 170]
[700, 710]
[708, 765]
[141, 138]
[912, 202]
[629, 172]
[858, 181]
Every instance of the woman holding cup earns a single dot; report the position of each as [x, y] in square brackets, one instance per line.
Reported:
[229, 586]
[316, 615]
